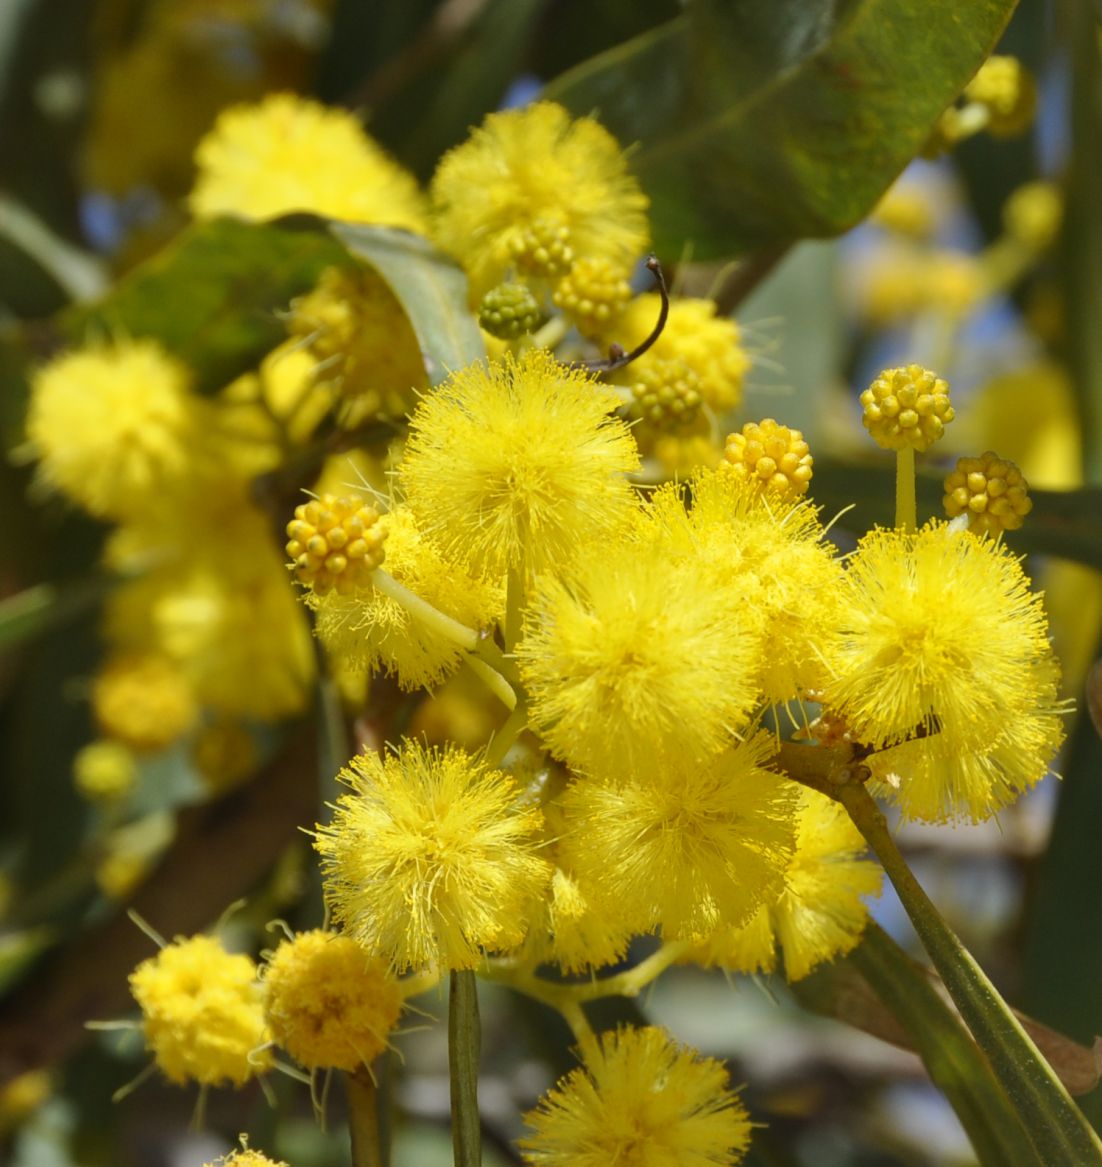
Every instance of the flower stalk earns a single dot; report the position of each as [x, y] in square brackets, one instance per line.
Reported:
[464, 1044]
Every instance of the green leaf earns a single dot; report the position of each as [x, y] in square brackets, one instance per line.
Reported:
[758, 124]
[879, 989]
[29, 612]
[212, 297]
[429, 286]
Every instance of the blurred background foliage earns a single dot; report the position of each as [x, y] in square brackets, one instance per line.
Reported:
[758, 128]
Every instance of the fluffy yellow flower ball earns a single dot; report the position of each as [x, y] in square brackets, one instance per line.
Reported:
[288, 153]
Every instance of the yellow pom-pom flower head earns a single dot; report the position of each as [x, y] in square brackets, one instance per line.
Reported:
[113, 425]
[430, 860]
[513, 465]
[943, 637]
[990, 490]
[770, 456]
[328, 1002]
[640, 1100]
[143, 700]
[906, 408]
[533, 189]
[335, 543]
[632, 655]
[288, 153]
[689, 847]
[201, 1013]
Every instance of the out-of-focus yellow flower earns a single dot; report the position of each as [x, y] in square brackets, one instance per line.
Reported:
[1032, 214]
[105, 770]
[1005, 87]
[144, 701]
[288, 153]
[533, 191]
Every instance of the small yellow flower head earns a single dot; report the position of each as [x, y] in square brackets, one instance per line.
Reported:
[950, 281]
[22, 1095]
[533, 189]
[942, 635]
[370, 631]
[245, 1158]
[770, 456]
[710, 345]
[687, 847]
[906, 210]
[105, 771]
[201, 1013]
[990, 491]
[335, 543]
[821, 913]
[430, 860]
[666, 394]
[224, 753]
[1007, 89]
[113, 424]
[906, 407]
[634, 656]
[1032, 214]
[144, 701]
[288, 153]
[359, 334]
[516, 464]
[329, 1003]
[509, 311]
[593, 293]
[640, 1100]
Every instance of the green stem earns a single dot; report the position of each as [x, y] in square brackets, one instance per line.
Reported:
[464, 1041]
[363, 1118]
[422, 610]
[955, 1065]
[1059, 1130]
[494, 681]
[906, 509]
[514, 607]
[515, 725]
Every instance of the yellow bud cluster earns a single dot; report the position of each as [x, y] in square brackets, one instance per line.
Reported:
[772, 456]
[1007, 90]
[543, 249]
[335, 543]
[593, 293]
[105, 771]
[991, 491]
[907, 407]
[667, 393]
[143, 700]
[1032, 214]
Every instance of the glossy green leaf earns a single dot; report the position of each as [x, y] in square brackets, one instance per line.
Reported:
[212, 297]
[429, 286]
[879, 989]
[759, 124]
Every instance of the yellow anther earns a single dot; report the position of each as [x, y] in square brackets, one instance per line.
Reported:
[335, 543]
[907, 407]
[991, 491]
[774, 456]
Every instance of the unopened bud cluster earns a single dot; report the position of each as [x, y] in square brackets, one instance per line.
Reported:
[593, 294]
[666, 394]
[509, 311]
[335, 543]
[544, 249]
[772, 456]
[907, 407]
[1007, 89]
[991, 491]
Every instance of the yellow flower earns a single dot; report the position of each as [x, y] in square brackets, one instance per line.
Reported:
[514, 465]
[201, 1013]
[430, 860]
[144, 701]
[369, 630]
[820, 914]
[772, 550]
[640, 1100]
[105, 770]
[361, 337]
[943, 637]
[1007, 89]
[113, 424]
[632, 655]
[688, 847]
[710, 345]
[245, 1158]
[328, 1002]
[288, 153]
[335, 543]
[771, 457]
[594, 294]
[907, 407]
[533, 190]
[990, 490]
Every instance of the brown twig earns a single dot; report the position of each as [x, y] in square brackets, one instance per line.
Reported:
[617, 358]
